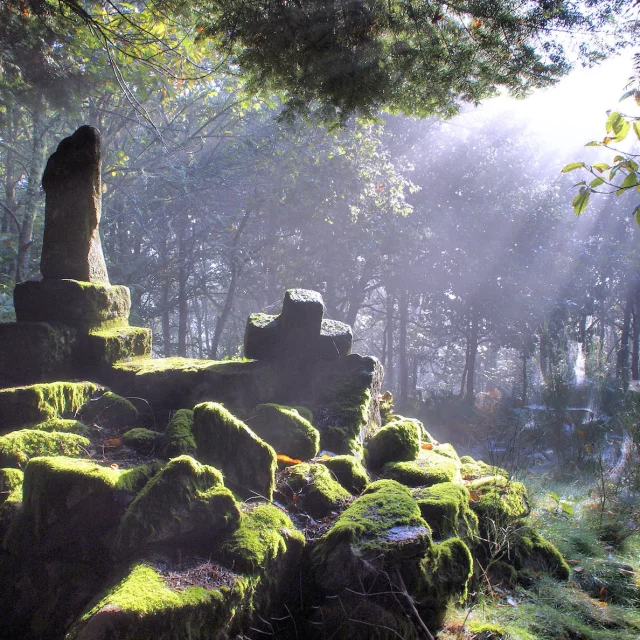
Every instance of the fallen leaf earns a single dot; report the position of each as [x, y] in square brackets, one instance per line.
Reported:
[285, 458]
[114, 466]
[113, 442]
[427, 446]
[579, 569]
[512, 601]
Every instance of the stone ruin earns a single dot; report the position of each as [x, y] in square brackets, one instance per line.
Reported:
[181, 498]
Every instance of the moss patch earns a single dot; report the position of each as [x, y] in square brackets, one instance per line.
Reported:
[474, 469]
[430, 468]
[248, 463]
[398, 441]
[445, 507]
[285, 430]
[18, 447]
[186, 501]
[143, 440]
[178, 436]
[21, 406]
[63, 425]
[315, 489]
[263, 534]
[499, 501]
[348, 471]
[531, 552]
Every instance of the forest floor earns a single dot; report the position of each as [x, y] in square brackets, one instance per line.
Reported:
[599, 540]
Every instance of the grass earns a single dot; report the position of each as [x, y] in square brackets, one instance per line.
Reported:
[601, 600]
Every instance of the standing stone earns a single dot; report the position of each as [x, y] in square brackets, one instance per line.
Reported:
[71, 246]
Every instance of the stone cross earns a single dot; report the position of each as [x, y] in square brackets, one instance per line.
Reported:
[71, 246]
[296, 339]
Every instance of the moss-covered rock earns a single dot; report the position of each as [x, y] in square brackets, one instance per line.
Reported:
[10, 481]
[285, 430]
[82, 305]
[185, 502]
[169, 384]
[141, 604]
[306, 413]
[18, 447]
[346, 410]
[68, 506]
[20, 406]
[106, 346]
[382, 524]
[498, 502]
[315, 489]
[474, 469]
[223, 441]
[430, 468]
[178, 436]
[10, 497]
[141, 439]
[348, 471]
[109, 410]
[36, 352]
[439, 579]
[264, 533]
[530, 552]
[398, 441]
[445, 507]
[63, 425]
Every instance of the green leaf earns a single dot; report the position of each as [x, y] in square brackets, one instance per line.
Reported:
[600, 166]
[572, 167]
[581, 201]
[636, 129]
[554, 495]
[637, 214]
[566, 507]
[615, 122]
[596, 183]
[630, 181]
[622, 133]
[593, 143]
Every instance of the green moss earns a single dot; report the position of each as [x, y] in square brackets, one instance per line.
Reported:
[133, 480]
[21, 406]
[474, 469]
[383, 506]
[348, 471]
[398, 441]
[106, 346]
[10, 497]
[445, 507]
[142, 605]
[487, 631]
[447, 450]
[264, 533]
[307, 414]
[315, 489]
[532, 552]
[109, 410]
[143, 366]
[17, 447]
[285, 430]
[183, 502]
[63, 425]
[430, 468]
[140, 439]
[249, 463]
[178, 436]
[10, 480]
[499, 503]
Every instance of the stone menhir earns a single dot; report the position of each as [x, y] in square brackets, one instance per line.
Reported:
[71, 246]
[296, 339]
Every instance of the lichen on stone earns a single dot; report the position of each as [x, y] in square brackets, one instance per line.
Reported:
[285, 430]
[18, 447]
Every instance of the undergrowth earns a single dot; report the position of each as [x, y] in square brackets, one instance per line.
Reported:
[601, 600]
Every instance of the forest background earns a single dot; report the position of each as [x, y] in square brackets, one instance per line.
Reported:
[448, 246]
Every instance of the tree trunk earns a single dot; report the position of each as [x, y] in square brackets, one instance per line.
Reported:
[472, 353]
[32, 195]
[635, 349]
[622, 360]
[403, 364]
[525, 357]
[183, 298]
[235, 269]
[390, 374]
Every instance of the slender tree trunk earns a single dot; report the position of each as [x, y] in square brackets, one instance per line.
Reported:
[32, 195]
[403, 364]
[622, 360]
[357, 296]
[235, 268]
[472, 354]
[635, 349]
[183, 298]
[389, 368]
[525, 357]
